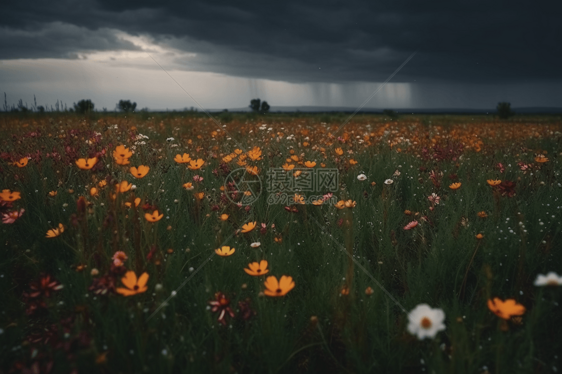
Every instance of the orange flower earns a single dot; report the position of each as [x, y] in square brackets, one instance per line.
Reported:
[122, 152]
[310, 164]
[288, 167]
[53, 233]
[479, 236]
[188, 186]
[255, 154]
[350, 204]
[238, 151]
[86, 164]
[340, 204]
[154, 217]
[281, 288]
[352, 162]
[257, 269]
[22, 162]
[298, 199]
[248, 227]
[505, 309]
[200, 195]
[182, 159]
[224, 251]
[195, 165]
[134, 285]
[252, 170]
[318, 202]
[94, 191]
[224, 217]
[493, 182]
[541, 159]
[137, 202]
[339, 151]
[102, 183]
[6, 195]
[278, 239]
[140, 172]
[124, 186]
[122, 161]
[455, 186]
[53, 193]
[482, 214]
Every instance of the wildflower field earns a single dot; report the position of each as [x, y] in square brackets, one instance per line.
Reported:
[177, 242]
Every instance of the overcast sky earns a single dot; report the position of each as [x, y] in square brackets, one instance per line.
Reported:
[458, 54]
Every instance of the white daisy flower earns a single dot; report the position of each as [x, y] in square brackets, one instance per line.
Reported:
[551, 279]
[425, 322]
[361, 177]
[255, 244]
[388, 181]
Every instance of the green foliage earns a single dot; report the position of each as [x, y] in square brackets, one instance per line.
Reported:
[126, 106]
[504, 110]
[257, 108]
[83, 106]
[313, 328]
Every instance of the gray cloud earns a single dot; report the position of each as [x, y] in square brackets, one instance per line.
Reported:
[316, 41]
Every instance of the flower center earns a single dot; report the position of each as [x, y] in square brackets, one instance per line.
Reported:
[425, 323]
[259, 270]
[279, 290]
[136, 287]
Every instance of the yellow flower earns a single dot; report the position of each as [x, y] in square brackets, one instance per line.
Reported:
[252, 170]
[94, 191]
[200, 195]
[278, 288]
[248, 227]
[195, 165]
[310, 164]
[224, 251]
[86, 164]
[22, 162]
[154, 217]
[339, 151]
[288, 167]
[493, 182]
[134, 285]
[455, 186]
[139, 172]
[122, 152]
[298, 199]
[318, 202]
[6, 195]
[224, 217]
[182, 159]
[124, 186]
[53, 233]
[505, 309]
[350, 204]
[541, 159]
[340, 204]
[188, 186]
[137, 202]
[257, 269]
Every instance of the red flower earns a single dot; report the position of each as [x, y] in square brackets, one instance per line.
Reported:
[222, 305]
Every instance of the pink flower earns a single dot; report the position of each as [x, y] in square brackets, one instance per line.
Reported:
[327, 196]
[434, 198]
[197, 178]
[501, 167]
[411, 225]
[11, 217]
[119, 258]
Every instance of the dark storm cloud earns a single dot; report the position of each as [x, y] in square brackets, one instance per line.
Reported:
[465, 41]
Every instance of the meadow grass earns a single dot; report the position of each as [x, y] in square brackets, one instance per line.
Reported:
[315, 327]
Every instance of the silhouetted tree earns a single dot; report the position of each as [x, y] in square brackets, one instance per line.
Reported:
[255, 105]
[84, 106]
[126, 106]
[504, 110]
